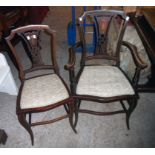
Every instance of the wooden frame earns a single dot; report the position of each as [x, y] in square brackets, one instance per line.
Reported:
[131, 99]
[33, 48]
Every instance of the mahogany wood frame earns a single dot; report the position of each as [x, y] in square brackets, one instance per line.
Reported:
[131, 99]
[37, 64]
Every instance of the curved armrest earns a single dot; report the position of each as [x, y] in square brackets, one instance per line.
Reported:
[138, 61]
[70, 66]
[72, 58]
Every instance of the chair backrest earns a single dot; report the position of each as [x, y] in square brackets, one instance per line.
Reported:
[109, 27]
[31, 37]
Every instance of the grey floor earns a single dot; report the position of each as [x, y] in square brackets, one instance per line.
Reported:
[93, 131]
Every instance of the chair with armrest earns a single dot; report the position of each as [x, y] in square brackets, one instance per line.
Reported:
[100, 78]
[42, 87]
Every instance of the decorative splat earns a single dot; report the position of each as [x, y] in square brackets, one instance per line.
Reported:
[101, 43]
[101, 27]
[32, 41]
[108, 37]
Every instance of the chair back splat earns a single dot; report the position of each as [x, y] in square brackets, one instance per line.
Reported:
[30, 38]
[109, 27]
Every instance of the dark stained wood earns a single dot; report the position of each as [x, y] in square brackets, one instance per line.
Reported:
[101, 52]
[49, 121]
[101, 113]
[30, 37]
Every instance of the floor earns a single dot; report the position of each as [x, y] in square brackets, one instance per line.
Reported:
[93, 131]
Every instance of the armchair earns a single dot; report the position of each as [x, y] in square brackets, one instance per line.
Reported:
[100, 78]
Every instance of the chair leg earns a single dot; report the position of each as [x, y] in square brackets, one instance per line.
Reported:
[71, 113]
[76, 110]
[132, 106]
[24, 123]
[30, 116]
[66, 108]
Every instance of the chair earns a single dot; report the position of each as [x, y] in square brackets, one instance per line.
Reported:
[7, 83]
[100, 78]
[42, 87]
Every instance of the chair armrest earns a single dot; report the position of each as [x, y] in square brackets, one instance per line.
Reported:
[72, 58]
[138, 61]
[70, 66]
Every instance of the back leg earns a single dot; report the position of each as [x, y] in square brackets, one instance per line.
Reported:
[76, 110]
[132, 106]
[66, 108]
[71, 113]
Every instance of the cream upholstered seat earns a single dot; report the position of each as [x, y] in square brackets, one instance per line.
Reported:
[43, 91]
[103, 81]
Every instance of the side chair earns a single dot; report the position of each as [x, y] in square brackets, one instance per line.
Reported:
[42, 88]
[100, 78]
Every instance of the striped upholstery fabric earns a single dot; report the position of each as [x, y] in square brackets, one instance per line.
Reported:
[43, 91]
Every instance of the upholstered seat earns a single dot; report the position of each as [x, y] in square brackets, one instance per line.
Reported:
[103, 81]
[48, 90]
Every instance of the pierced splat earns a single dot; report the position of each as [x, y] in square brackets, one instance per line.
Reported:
[108, 30]
[101, 38]
[32, 41]
[107, 35]
[101, 44]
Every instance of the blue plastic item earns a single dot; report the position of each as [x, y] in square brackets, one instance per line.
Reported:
[71, 31]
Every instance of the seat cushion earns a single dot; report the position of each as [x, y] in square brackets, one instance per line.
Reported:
[43, 91]
[103, 81]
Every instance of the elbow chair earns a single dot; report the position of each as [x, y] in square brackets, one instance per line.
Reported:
[100, 78]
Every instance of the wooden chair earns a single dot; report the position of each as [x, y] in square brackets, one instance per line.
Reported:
[100, 78]
[39, 91]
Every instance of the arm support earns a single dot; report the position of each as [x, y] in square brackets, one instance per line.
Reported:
[137, 60]
[72, 58]
[71, 64]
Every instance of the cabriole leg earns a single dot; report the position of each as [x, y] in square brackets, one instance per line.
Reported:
[25, 124]
[71, 113]
[132, 106]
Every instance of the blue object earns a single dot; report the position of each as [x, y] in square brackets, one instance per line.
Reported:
[71, 31]
[71, 34]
